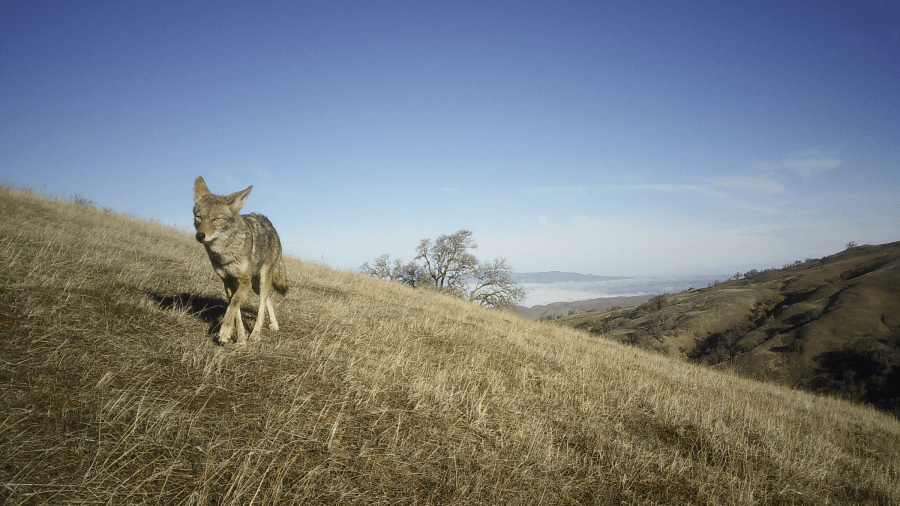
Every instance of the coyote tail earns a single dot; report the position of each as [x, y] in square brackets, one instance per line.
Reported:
[279, 281]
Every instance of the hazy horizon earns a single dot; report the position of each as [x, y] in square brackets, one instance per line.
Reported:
[570, 291]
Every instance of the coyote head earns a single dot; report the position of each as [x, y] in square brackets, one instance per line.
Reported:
[214, 213]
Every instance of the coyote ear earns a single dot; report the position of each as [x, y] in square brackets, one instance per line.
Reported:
[200, 189]
[236, 200]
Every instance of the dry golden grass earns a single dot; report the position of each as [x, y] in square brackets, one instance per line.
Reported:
[114, 393]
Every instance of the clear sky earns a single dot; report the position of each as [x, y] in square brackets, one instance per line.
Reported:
[611, 138]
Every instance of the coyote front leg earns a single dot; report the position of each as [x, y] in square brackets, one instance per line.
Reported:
[232, 321]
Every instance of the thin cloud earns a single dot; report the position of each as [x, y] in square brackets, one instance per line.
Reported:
[630, 245]
[810, 162]
[562, 189]
[750, 184]
[605, 188]
[724, 197]
[232, 182]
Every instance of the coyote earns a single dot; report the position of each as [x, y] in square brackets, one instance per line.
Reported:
[245, 252]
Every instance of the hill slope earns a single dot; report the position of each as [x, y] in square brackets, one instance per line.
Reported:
[830, 325]
[113, 392]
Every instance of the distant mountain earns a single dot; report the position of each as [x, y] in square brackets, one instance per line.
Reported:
[558, 277]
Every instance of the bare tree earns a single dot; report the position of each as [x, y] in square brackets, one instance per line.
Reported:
[494, 286]
[380, 268]
[409, 274]
[448, 266]
[447, 262]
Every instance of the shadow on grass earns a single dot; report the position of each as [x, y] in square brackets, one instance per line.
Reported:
[209, 309]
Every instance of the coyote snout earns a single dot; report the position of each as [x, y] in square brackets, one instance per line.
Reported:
[245, 252]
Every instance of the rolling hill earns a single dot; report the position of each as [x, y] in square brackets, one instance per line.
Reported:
[113, 392]
[829, 325]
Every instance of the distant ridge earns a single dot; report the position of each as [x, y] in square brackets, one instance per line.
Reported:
[558, 277]
[580, 306]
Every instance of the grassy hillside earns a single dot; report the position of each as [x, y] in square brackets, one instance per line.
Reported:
[829, 325]
[113, 392]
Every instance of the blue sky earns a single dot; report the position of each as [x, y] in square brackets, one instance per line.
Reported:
[612, 138]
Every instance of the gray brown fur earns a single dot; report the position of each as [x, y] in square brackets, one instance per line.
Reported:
[245, 252]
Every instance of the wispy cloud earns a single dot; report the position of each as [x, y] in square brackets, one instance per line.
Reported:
[750, 184]
[545, 190]
[543, 219]
[264, 176]
[809, 162]
[762, 191]
[630, 245]
[726, 198]
[232, 182]
[605, 188]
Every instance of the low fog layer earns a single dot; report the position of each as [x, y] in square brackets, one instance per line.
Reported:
[568, 291]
